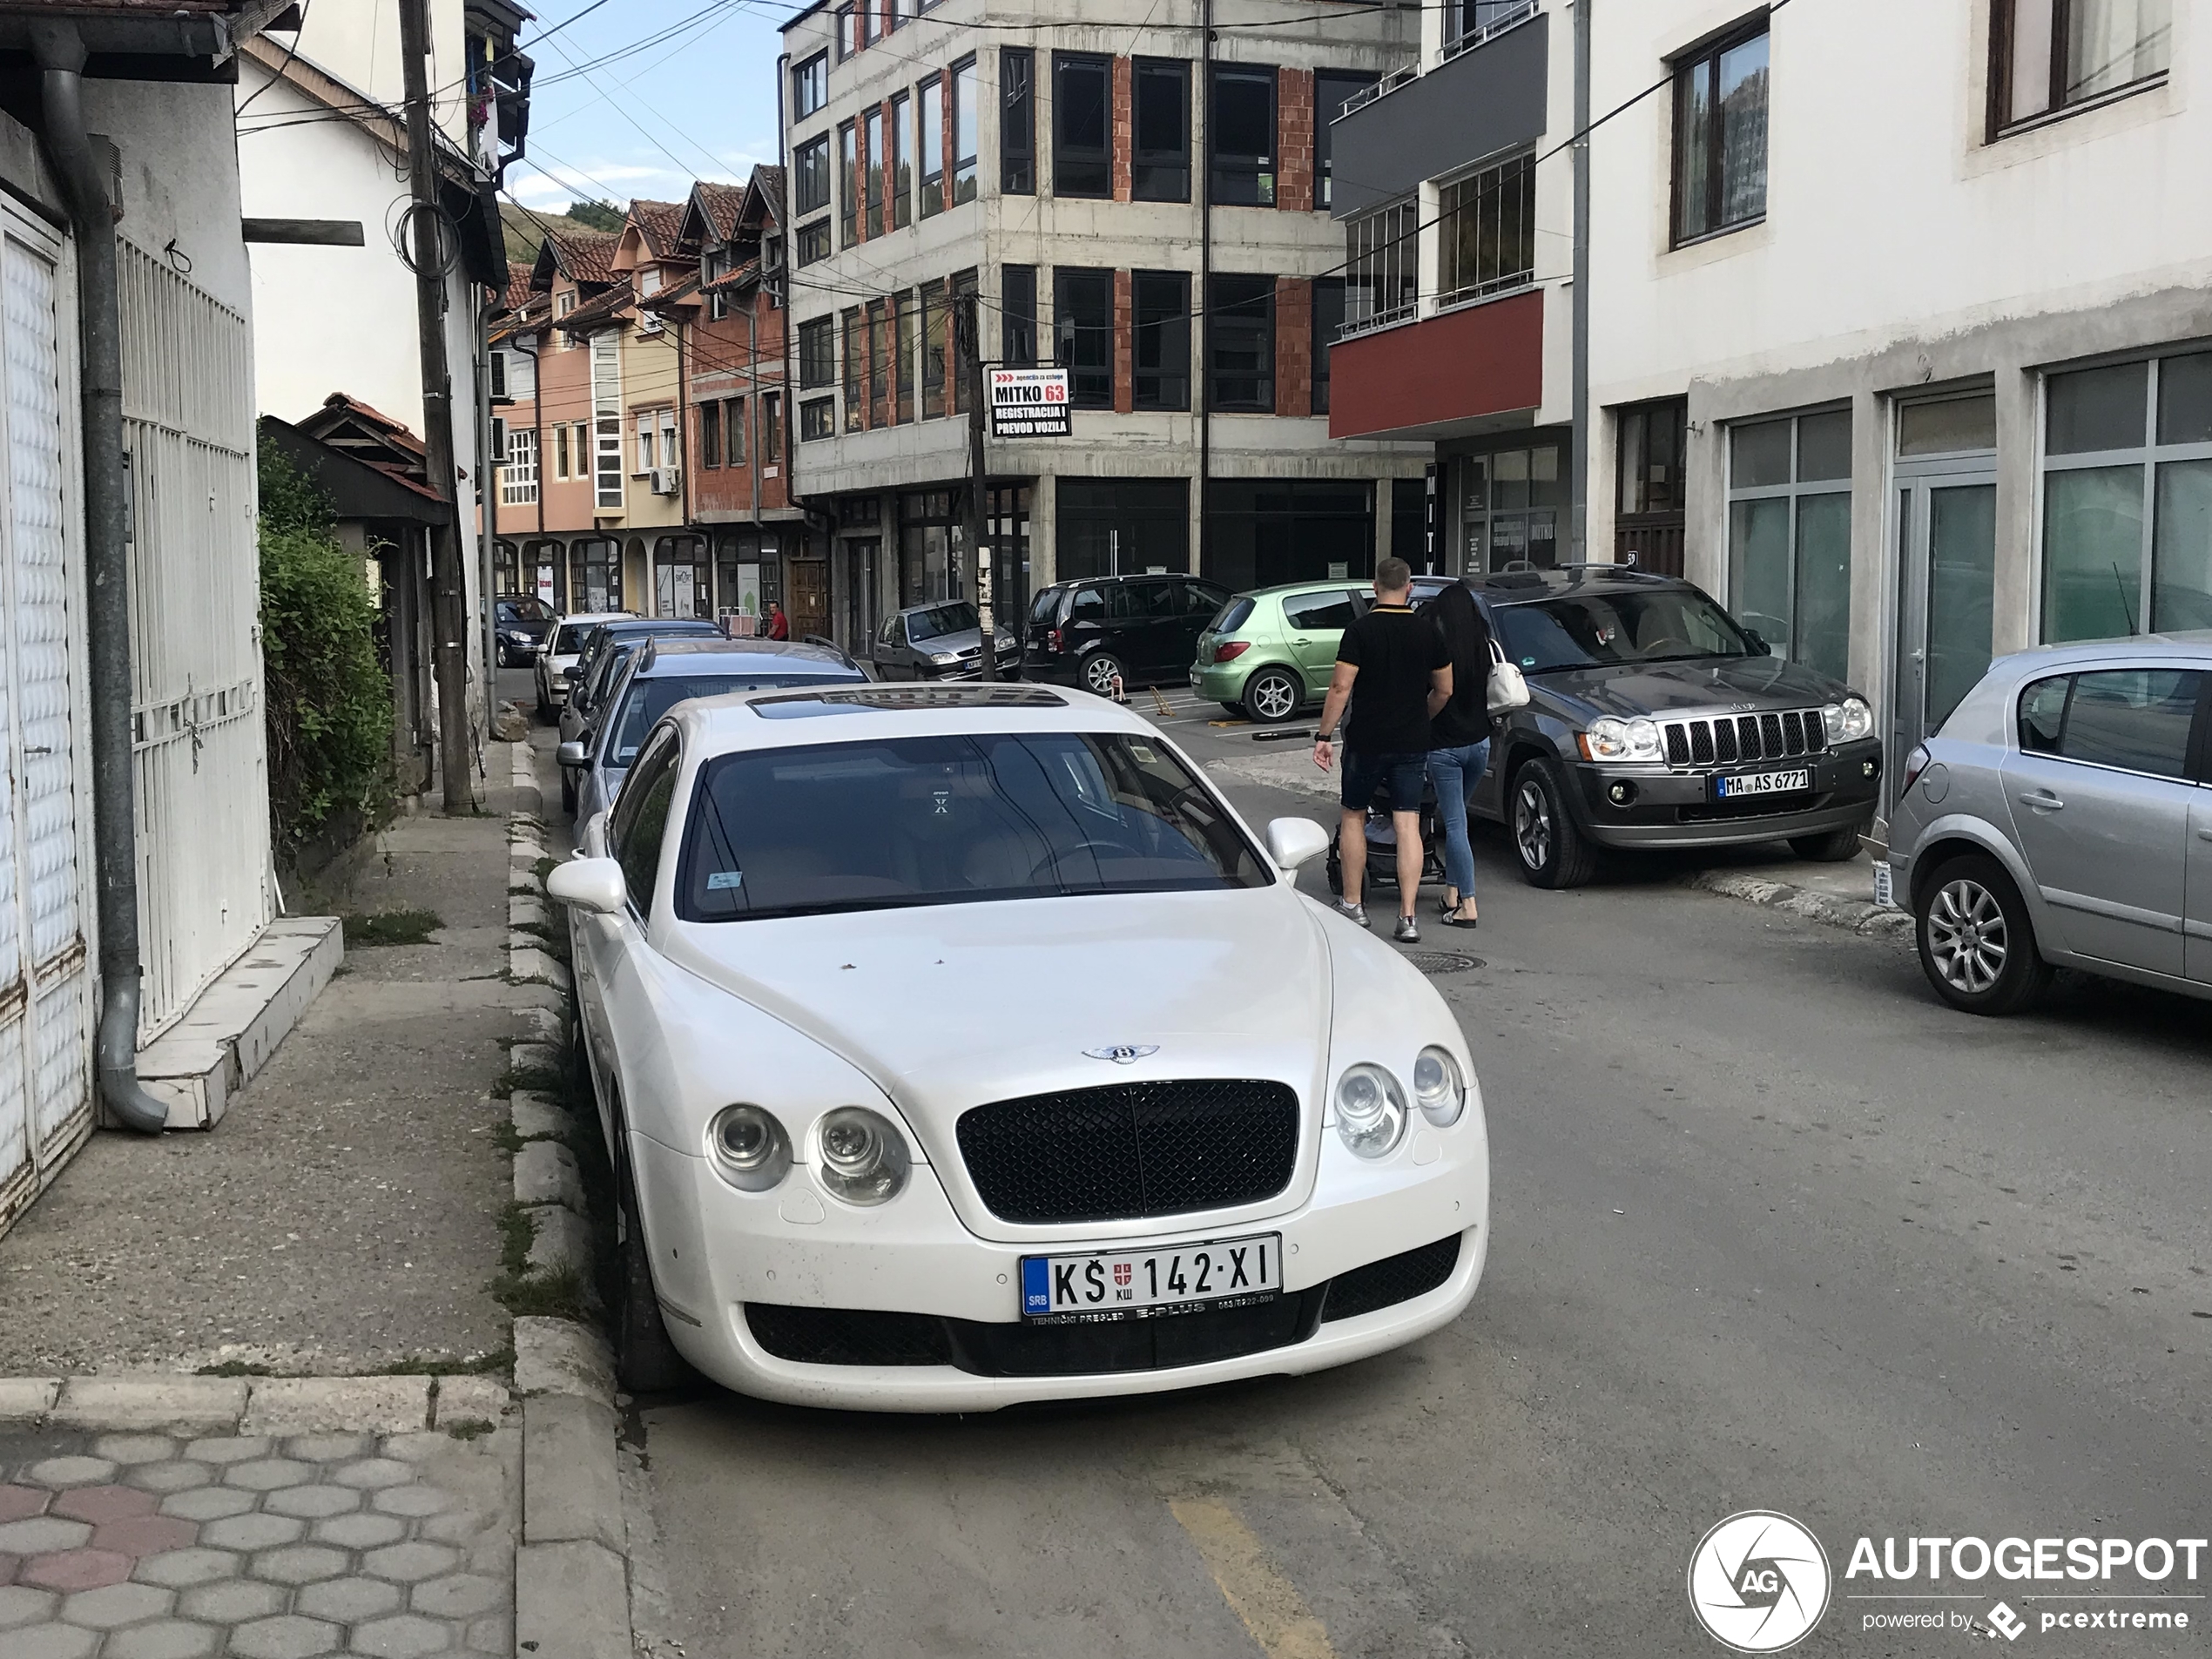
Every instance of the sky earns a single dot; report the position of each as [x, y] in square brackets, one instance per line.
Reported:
[698, 103]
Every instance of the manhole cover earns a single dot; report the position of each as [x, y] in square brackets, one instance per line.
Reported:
[1442, 962]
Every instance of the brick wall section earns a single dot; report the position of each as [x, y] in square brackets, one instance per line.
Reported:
[1122, 134]
[1124, 337]
[858, 183]
[1294, 134]
[1293, 346]
[946, 105]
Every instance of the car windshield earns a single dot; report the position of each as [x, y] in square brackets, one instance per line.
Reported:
[650, 698]
[953, 819]
[1603, 630]
[939, 620]
[524, 610]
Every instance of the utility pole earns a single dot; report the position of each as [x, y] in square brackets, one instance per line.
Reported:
[1578, 479]
[449, 606]
[967, 330]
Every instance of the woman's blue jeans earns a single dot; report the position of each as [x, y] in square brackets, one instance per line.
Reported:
[1454, 773]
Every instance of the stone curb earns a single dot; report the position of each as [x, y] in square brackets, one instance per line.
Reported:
[1858, 916]
[249, 1404]
[572, 1588]
[545, 1173]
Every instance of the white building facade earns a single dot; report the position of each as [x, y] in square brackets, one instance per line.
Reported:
[1906, 307]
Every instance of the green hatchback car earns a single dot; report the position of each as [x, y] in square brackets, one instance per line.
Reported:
[1269, 654]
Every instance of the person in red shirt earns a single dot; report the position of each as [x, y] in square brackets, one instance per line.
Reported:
[778, 623]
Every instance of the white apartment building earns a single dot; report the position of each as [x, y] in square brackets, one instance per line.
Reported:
[1130, 197]
[1904, 308]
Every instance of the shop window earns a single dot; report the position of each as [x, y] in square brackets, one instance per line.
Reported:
[1789, 536]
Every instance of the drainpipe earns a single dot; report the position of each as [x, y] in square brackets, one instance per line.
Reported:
[60, 54]
[1579, 483]
[1201, 342]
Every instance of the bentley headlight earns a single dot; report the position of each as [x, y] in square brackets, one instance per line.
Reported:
[1849, 721]
[1371, 1110]
[1438, 1088]
[748, 1148]
[863, 1157]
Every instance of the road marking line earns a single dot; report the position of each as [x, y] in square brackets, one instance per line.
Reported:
[1256, 1593]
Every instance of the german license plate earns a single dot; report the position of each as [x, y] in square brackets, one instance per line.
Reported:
[1763, 783]
[1144, 1283]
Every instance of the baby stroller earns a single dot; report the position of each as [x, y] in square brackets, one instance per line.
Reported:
[1382, 843]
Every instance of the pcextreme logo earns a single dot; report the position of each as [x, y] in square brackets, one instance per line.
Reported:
[1758, 1581]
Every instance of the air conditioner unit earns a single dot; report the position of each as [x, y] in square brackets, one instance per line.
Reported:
[649, 322]
[664, 481]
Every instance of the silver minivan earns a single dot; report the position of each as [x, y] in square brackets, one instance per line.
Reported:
[2062, 817]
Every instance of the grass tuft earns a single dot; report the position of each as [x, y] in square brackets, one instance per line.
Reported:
[557, 1295]
[236, 1368]
[468, 1428]
[392, 927]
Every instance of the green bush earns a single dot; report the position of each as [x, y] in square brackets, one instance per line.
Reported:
[329, 700]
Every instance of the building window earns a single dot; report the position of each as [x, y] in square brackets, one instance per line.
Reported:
[581, 449]
[964, 138]
[814, 242]
[1018, 316]
[2128, 499]
[933, 146]
[902, 162]
[817, 419]
[1648, 503]
[1469, 22]
[810, 177]
[647, 430]
[1381, 266]
[771, 427]
[879, 363]
[1161, 305]
[1331, 88]
[561, 450]
[844, 46]
[855, 410]
[499, 392]
[1789, 536]
[1720, 136]
[2049, 55]
[1241, 135]
[1160, 120]
[964, 284]
[1083, 335]
[817, 354]
[671, 444]
[933, 350]
[710, 435]
[1082, 155]
[1240, 343]
[878, 220]
[595, 574]
[1017, 121]
[1328, 323]
[1487, 239]
[733, 430]
[607, 446]
[518, 475]
[809, 86]
[849, 184]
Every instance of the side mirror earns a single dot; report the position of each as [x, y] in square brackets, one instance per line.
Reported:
[1759, 647]
[571, 754]
[589, 884]
[1293, 841]
[572, 673]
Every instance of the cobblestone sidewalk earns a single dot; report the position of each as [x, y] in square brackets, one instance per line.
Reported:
[155, 1547]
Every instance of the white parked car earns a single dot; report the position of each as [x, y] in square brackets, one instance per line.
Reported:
[958, 1046]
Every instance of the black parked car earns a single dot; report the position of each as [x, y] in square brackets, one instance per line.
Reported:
[1656, 720]
[520, 623]
[1143, 628]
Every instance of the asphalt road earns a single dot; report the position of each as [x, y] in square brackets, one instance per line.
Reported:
[1772, 1230]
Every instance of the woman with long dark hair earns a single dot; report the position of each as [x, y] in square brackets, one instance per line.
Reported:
[1459, 739]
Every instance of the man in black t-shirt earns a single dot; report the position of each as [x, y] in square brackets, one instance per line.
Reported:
[1395, 671]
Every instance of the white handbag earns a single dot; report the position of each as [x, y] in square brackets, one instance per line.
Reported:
[1507, 689]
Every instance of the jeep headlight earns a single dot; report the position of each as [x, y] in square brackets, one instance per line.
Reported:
[1439, 1089]
[1371, 1110]
[864, 1158]
[1613, 740]
[748, 1148]
[1849, 721]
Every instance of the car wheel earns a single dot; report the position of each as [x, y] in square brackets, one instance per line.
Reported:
[568, 791]
[1554, 852]
[1837, 846]
[1099, 671]
[1237, 709]
[1977, 945]
[544, 708]
[1273, 696]
[646, 1362]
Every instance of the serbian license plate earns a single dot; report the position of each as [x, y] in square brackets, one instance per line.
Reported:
[1145, 1283]
[1194, 679]
[1763, 783]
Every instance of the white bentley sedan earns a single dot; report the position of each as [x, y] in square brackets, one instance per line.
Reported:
[958, 1046]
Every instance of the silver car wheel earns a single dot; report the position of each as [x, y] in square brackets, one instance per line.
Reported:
[1275, 698]
[1967, 936]
[1531, 825]
[1098, 675]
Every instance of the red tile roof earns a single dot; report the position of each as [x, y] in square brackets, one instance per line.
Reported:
[660, 222]
[585, 256]
[593, 313]
[720, 203]
[339, 405]
[731, 280]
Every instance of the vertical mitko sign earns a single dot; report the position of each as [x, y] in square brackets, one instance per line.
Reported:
[1030, 403]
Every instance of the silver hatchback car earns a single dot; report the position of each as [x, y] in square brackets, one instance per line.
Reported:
[2063, 817]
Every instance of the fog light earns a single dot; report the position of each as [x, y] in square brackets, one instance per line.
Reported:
[1623, 793]
[1866, 769]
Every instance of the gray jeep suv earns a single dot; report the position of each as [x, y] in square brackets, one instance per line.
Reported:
[1656, 720]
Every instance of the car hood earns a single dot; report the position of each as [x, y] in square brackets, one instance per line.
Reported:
[946, 1007]
[1742, 685]
[967, 642]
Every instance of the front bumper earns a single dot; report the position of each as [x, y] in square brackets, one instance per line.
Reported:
[1676, 808]
[716, 1250]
